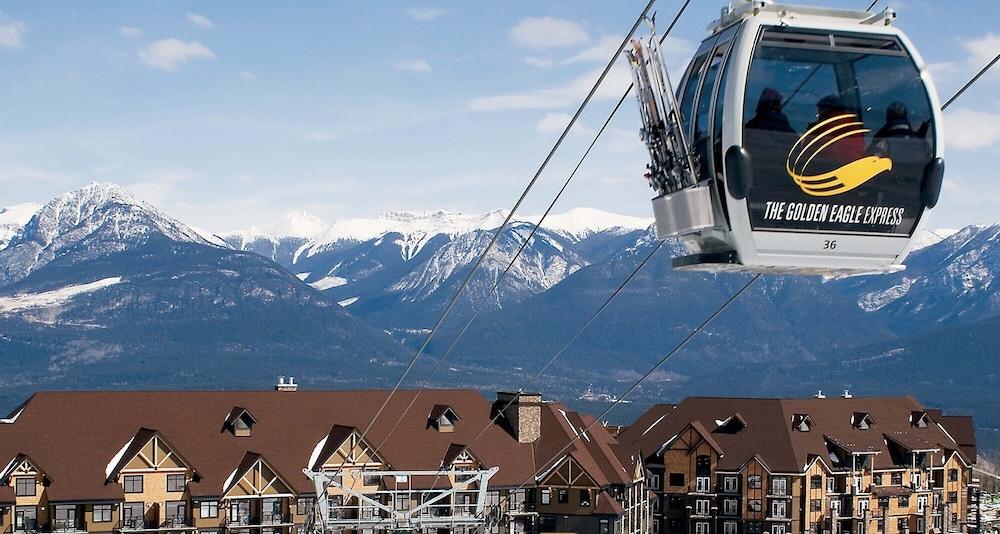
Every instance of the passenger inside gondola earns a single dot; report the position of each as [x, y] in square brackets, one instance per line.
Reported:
[831, 110]
[899, 141]
[768, 115]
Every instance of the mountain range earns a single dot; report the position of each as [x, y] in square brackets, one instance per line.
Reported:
[99, 289]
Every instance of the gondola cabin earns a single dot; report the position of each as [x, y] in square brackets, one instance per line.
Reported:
[814, 144]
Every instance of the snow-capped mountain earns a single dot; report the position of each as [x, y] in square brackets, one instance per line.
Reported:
[101, 280]
[13, 219]
[96, 220]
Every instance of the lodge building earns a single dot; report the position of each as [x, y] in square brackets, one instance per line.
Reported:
[233, 462]
[819, 465]
[248, 463]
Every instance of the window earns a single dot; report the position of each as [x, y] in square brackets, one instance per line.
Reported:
[729, 527]
[690, 89]
[953, 497]
[304, 505]
[701, 527]
[778, 509]
[401, 503]
[904, 501]
[816, 482]
[793, 87]
[703, 484]
[675, 502]
[176, 513]
[897, 479]
[24, 486]
[877, 479]
[546, 495]
[901, 524]
[132, 515]
[777, 529]
[858, 483]
[862, 504]
[703, 110]
[831, 485]
[730, 484]
[730, 506]
[375, 480]
[656, 526]
[754, 505]
[835, 504]
[133, 484]
[674, 524]
[953, 475]
[65, 518]
[605, 527]
[779, 485]
[210, 509]
[676, 479]
[883, 503]
[102, 513]
[654, 481]
[176, 482]
[702, 506]
[25, 518]
[755, 527]
[585, 497]
[815, 505]
[563, 496]
[915, 479]
[753, 481]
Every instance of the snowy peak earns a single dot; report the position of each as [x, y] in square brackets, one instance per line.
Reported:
[582, 222]
[95, 220]
[13, 218]
[299, 224]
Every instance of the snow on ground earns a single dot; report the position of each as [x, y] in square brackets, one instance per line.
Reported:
[927, 238]
[581, 222]
[328, 282]
[302, 276]
[13, 218]
[348, 302]
[52, 298]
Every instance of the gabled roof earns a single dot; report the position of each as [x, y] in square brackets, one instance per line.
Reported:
[132, 447]
[707, 436]
[440, 409]
[732, 424]
[911, 442]
[454, 451]
[17, 460]
[248, 462]
[236, 413]
[608, 505]
[329, 444]
[771, 435]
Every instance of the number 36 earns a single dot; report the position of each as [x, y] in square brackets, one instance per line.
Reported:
[829, 244]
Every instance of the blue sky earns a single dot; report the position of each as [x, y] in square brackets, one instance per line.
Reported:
[227, 114]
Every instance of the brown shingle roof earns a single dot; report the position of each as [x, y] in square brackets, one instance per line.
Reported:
[769, 432]
[54, 426]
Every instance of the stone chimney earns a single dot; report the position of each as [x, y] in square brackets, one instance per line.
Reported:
[524, 414]
[283, 385]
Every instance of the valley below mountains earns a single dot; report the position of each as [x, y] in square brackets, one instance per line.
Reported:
[99, 289]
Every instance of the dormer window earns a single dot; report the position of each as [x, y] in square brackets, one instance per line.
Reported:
[862, 421]
[239, 422]
[731, 425]
[443, 418]
[802, 422]
[919, 419]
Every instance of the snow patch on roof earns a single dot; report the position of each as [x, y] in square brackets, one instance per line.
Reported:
[116, 458]
[314, 457]
[12, 419]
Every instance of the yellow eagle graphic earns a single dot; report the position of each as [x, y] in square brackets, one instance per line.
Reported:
[843, 178]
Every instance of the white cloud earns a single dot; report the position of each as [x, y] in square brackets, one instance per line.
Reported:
[130, 32]
[247, 75]
[319, 136]
[558, 97]
[426, 14]
[170, 54]
[413, 65]
[553, 122]
[983, 49]
[967, 129]
[540, 62]
[200, 20]
[598, 52]
[547, 32]
[11, 32]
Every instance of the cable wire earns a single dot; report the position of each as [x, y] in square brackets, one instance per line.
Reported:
[499, 231]
[872, 5]
[486, 297]
[970, 82]
[636, 384]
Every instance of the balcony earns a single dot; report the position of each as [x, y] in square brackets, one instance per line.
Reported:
[28, 526]
[175, 522]
[66, 525]
[275, 518]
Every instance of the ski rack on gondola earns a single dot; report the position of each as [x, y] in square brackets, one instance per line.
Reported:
[682, 205]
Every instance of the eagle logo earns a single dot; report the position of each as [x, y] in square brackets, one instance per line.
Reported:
[842, 179]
